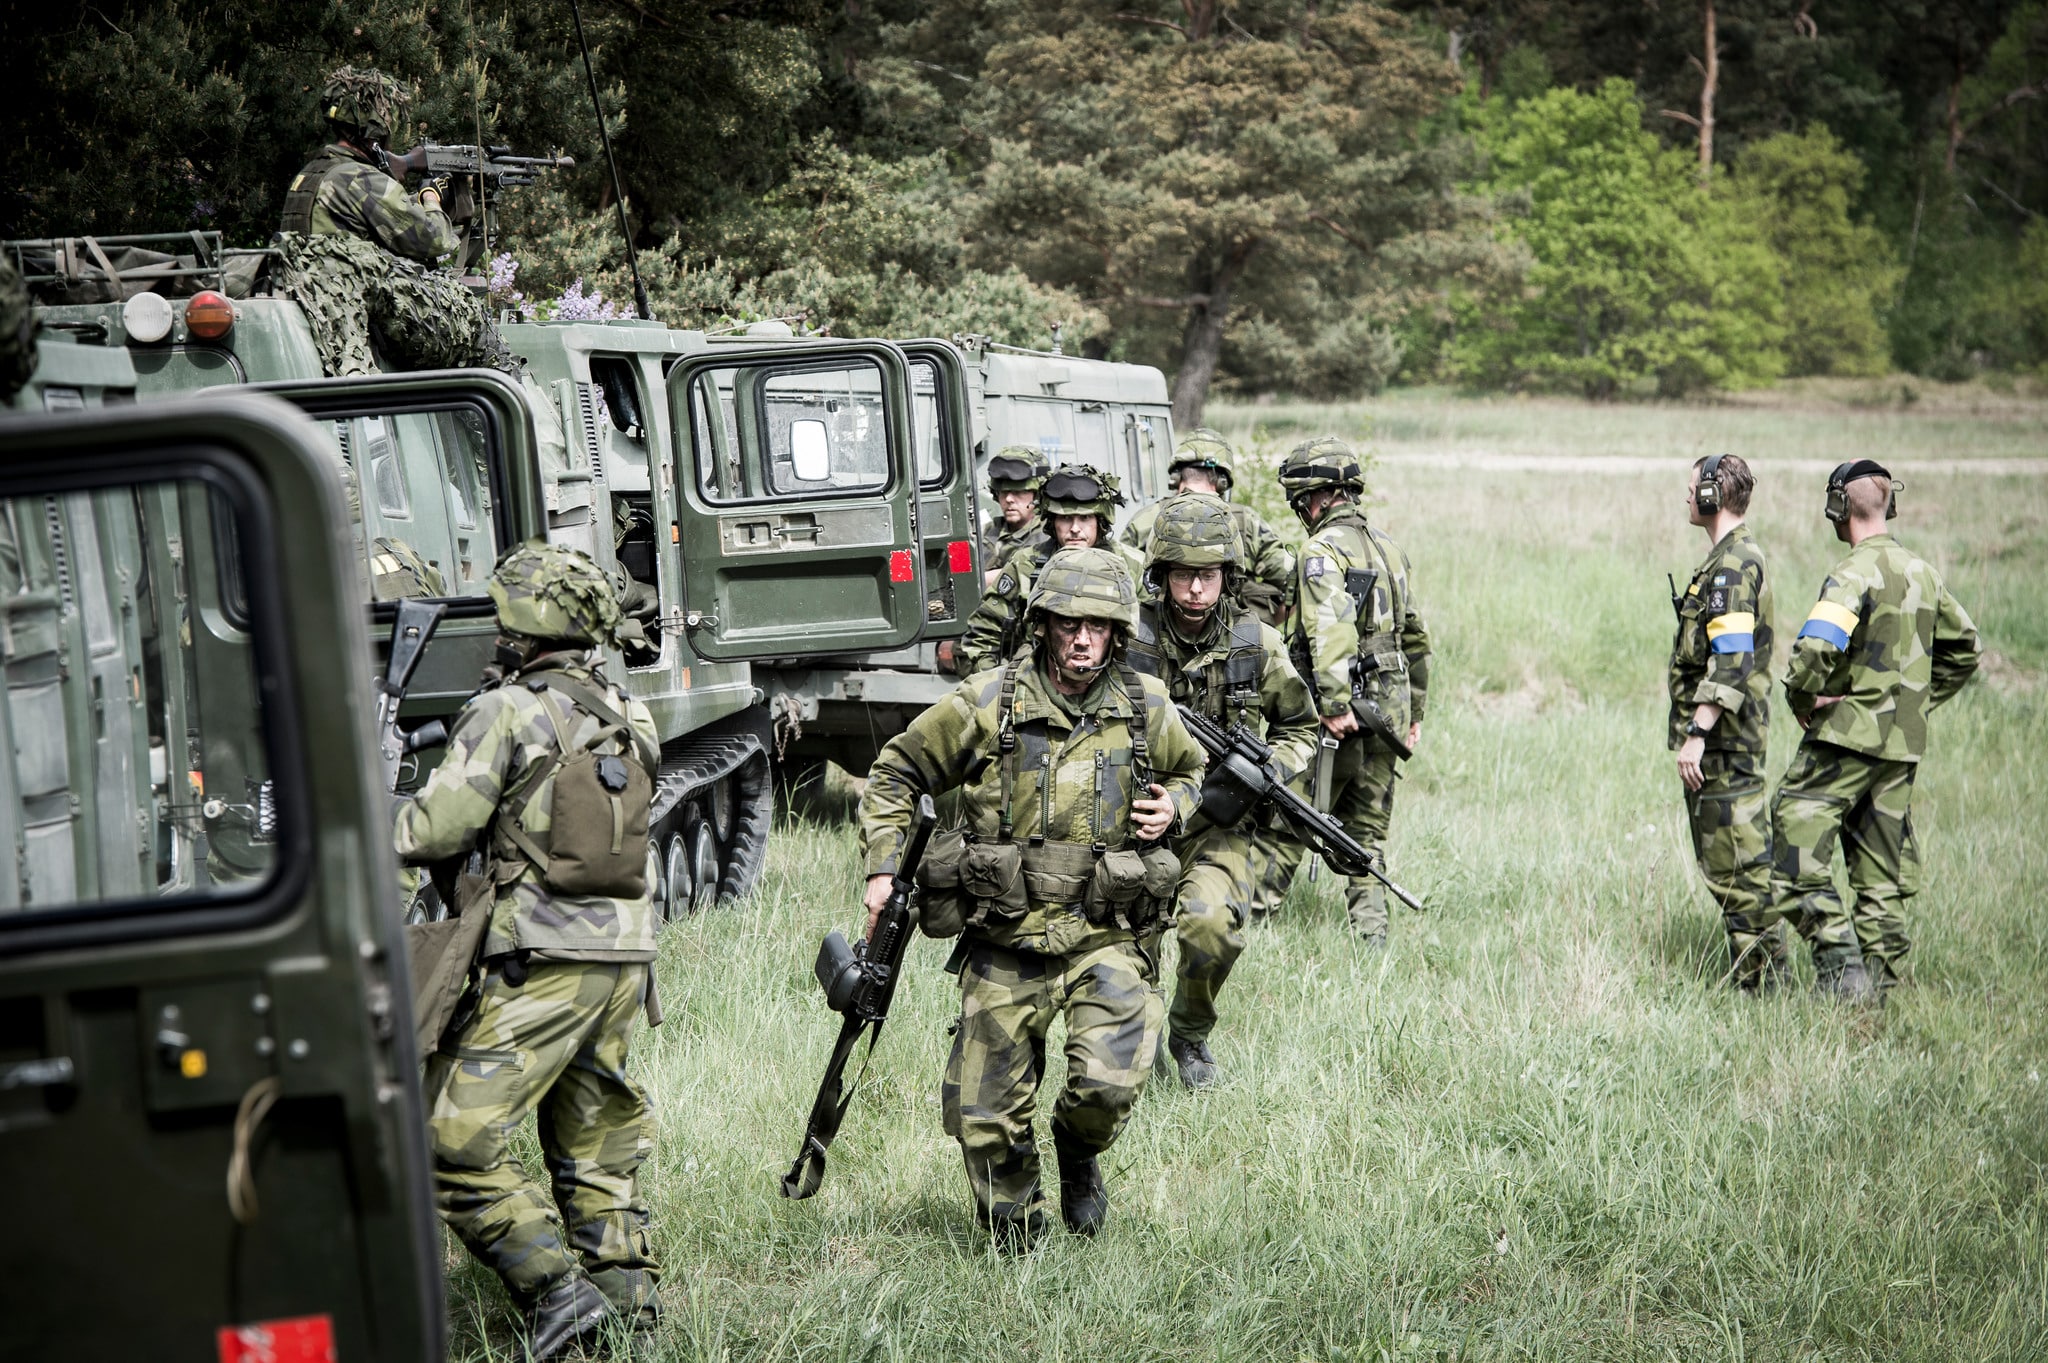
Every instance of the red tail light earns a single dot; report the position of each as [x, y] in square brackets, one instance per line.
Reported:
[960, 556]
[209, 315]
[901, 566]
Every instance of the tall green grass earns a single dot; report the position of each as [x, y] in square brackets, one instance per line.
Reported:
[1534, 1128]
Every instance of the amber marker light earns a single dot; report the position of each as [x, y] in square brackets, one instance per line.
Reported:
[209, 315]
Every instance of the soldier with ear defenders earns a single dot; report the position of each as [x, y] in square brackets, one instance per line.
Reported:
[1883, 646]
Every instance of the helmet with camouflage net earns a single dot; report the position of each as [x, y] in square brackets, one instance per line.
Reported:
[1017, 468]
[547, 591]
[1203, 448]
[17, 332]
[1315, 464]
[1085, 584]
[1194, 530]
[1079, 490]
[363, 102]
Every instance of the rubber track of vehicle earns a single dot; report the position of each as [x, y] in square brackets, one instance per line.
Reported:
[692, 765]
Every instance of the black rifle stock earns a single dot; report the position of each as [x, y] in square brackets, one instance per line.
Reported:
[859, 983]
[411, 629]
[1242, 751]
[499, 165]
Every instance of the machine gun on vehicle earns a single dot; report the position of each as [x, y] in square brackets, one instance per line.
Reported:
[1241, 775]
[411, 629]
[499, 165]
[859, 982]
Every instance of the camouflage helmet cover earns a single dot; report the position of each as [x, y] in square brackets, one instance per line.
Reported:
[1323, 462]
[1203, 448]
[1085, 584]
[1195, 530]
[547, 591]
[364, 100]
[1079, 490]
[1017, 468]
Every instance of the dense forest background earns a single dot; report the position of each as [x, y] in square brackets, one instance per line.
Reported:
[1316, 197]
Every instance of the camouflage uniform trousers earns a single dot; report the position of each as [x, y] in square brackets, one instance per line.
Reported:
[556, 1046]
[1008, 1001]
[1731, 840]
[1209, 913]
[1362, 781]
[1829, 793]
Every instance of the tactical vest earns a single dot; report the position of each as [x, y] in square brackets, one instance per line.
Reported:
[596, 839]
[305, 191]
[1228, 688]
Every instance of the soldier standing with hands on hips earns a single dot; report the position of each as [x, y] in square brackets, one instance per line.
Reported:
[1883, 646]
[1720, 716]
[1073, 770]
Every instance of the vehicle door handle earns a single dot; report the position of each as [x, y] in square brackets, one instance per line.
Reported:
[45, 1072]
[798, 531]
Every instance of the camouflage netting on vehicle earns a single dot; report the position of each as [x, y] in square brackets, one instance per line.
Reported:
[17, 332]
[363, 302]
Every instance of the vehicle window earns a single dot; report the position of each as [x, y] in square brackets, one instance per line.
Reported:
[429, 527]
[133, 760]
[1047, 427]
[926, 422]
[767, 432]
[1091, 439]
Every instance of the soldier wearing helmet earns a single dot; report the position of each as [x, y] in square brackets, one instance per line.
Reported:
[1359, 642]
[1073, 768]
[1076, 510]
[345, 190]
[1014, 476]
[1215, 656]
[1202, 463]
[549, 771]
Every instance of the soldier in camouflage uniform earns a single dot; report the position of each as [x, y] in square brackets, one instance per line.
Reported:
[1360, 643]
[1076, 510]
[564, 974]
[1014, 476]
[1217, 657]
[1883, 646]
[1072, 769]
[1202, 464]
[1720, 717]
[344, 191]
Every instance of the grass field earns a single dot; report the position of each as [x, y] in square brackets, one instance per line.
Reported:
[1533, 1128]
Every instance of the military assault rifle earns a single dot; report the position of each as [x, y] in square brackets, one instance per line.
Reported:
[497, 164]
[859, 981]
[1241, 775]
[411, 628]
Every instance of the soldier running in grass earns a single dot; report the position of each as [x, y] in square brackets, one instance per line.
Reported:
[1073, 770]
[1219, 659]
[1202, 464]
[1720, 688]
[1884, 645]
[550, 770]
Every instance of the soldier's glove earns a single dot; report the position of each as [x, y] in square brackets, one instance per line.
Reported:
[458, 201]
[438, 187]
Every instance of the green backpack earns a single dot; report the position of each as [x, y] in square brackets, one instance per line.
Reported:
[596, 839]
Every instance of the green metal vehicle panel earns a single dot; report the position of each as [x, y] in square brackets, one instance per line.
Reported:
[153, 982]
[948, 508]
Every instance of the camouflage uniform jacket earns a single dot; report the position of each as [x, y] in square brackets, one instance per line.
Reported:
[340, 193]
[1887, 637]
[1000, 544]
[1724, 630]
[996, 629]
[1236, 671]
[501, 737]
[1074, 780]
[1266, 559]
[1331, 630]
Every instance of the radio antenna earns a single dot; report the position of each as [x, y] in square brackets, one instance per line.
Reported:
[640, 307]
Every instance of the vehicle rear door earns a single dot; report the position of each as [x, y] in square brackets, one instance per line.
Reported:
[797, 501]
[948, 511]
[209, 1097]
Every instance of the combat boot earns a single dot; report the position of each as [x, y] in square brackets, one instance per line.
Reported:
[1013, 1234]
[1084, 1201]
[1848, 980]
[567, 1316]
[1197, 1067]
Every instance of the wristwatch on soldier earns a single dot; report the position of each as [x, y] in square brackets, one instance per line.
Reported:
[1693, 729]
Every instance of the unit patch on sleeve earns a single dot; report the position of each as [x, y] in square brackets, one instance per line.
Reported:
[1314, 567]
[1717, 600]
[1005, 585]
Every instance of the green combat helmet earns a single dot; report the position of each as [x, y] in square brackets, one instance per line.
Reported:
[1195, 531]
[1323, 462]
[363, 103]
[1085, 584]
[17, 332]
[1017, 468]
[546, 591]
[1203, 448]
[1080, 490]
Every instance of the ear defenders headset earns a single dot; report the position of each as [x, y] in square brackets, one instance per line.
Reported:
[1837, 509]
[1707, 497]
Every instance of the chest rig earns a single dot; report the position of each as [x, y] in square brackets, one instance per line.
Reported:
[305, 191]
[1225, 689]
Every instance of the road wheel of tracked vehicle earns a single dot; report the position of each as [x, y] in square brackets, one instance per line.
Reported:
[704, 865]
[677, 891]
[721, 802]
[657, 892]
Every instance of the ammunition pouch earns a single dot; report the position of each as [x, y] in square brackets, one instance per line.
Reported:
[1132, 887]
[1379, 683]
[992, 876]
[941, 903]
